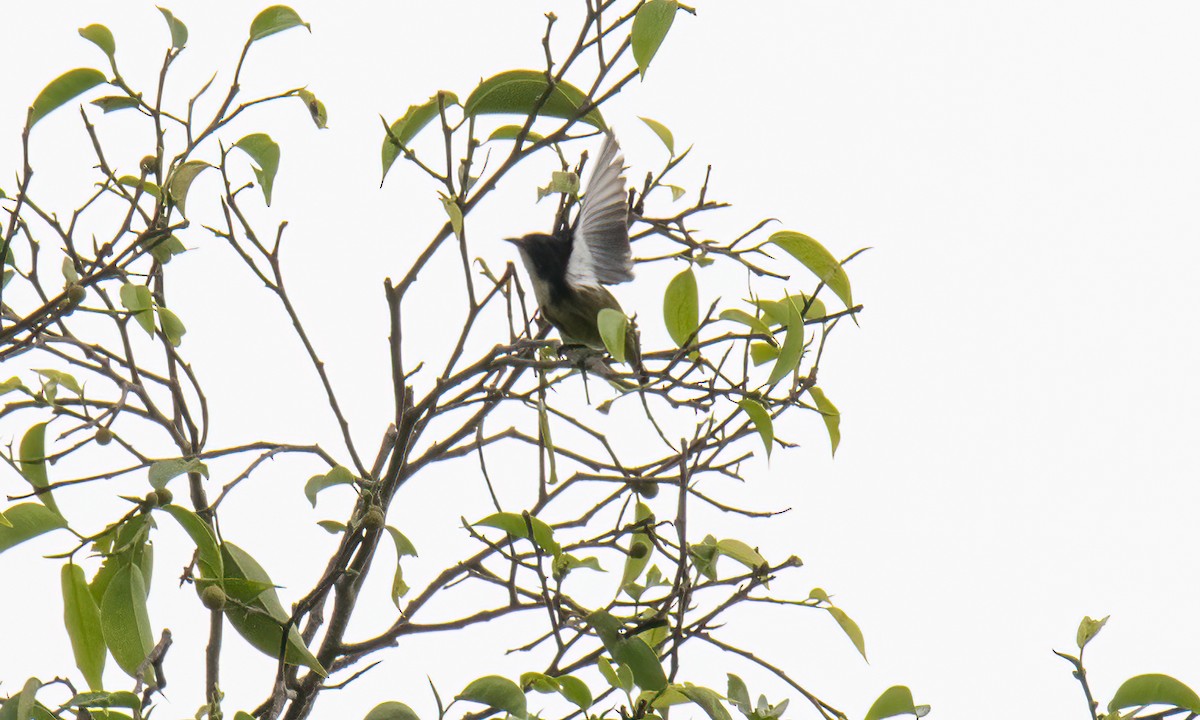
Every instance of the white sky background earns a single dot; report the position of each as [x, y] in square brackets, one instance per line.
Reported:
[1018, 403]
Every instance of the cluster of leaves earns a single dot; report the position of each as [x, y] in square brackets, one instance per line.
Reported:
[1140, 696]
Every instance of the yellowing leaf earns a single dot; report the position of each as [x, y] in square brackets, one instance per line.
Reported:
[662, 132]
[849, 627]
[831, 416]
[761, 417]
[816, 258]
[1154, 689]
[896, 700]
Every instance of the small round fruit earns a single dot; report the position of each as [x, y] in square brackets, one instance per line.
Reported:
[149, 164]
[76, 293]
[152, 499]
[103, 436]
[165, 496]
[647, 489]
[373, 519]
[213, 597]
[639, 551]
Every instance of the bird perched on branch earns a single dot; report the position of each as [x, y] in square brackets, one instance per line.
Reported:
[569, 269]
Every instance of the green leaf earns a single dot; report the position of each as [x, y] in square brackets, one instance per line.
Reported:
[274, 19]
[208, 550]
[101, 37]
[561, 181]
[68, 271]
[833, 420]
[11, 384]
[704, 556]
[1154, 690]
[497, 692]
[27, 700]
[739, 551]
[708, 700]
[793, 346]
[391, 710]
[102, 699]
[851, 629]
[546, 439]
[164, 471]
[332, 527]
[681, 307]
[62, 89]
[112, 103]
[134, 182]
[262, 625]
[512, 132]
[33, 463]
[516, 92]
[316, 108]
[777, 311]
[403, 547]
[125, 620]
[1088, 629]
[896, 700]
[634, 565]
[565, 563]
[647, 670]
[661, 130]
[58, 376]
[179, 31]
[123, 544]
[337, 476]
[538, 682]
[816, 258]
[620, 677]
[181, 181]
[738, 694]
[454, 212]
[407, 127]
[137, 299]
[265, 153]
[575, 691]
[81, 617]
[745, 318]
[762, 353]
[172, 326]
[761, 417]
[650, 27]
[613, 327]
[514, 525]
[166, 248]
[663, 699]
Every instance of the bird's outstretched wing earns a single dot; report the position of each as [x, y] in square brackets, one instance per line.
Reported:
[600, 237]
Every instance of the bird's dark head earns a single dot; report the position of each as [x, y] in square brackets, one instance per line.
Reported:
[545, 258]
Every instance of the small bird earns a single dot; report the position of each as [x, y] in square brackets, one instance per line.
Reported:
[570, 268]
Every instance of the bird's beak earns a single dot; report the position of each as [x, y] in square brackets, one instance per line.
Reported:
[514, 241]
